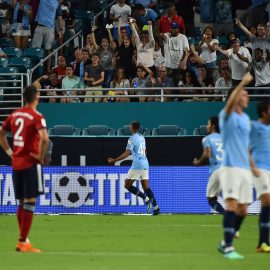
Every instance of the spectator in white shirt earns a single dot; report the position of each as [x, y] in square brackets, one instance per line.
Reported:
[123, 11]
[239, 59]
[261, 67]
[145, 45]
[175, 47]
[225, 81]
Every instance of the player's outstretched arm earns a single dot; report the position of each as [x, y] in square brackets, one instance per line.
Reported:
[204, 159]
[4, 142]
[121, 157]
[235, 93]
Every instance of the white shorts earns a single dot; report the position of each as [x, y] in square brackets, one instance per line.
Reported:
[44, 35]
[138, 175]
[262, 183]
[213, 186]
[236, 183]
[22, 32]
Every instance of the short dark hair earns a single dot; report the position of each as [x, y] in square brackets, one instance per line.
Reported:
[29, 93]
[84, 49]
[259, 49]
[170, 4]
[214, 122]
[138, 7]
[135, 125]
[69, 66]
[95, 54]
[262, 107]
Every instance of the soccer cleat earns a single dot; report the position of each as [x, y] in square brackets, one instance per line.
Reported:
[233, 255]
[156, 212]
[264, 248]
[237, 235]
[221, 247]
[26, 247]
[149, 205]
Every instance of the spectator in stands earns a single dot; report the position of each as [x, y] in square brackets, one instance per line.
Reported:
[48, 84]
[185, 9]
[69, 83]
[94, 77]
[145, 45]
[158, 55]
[262, 40]
[2, 53]
[91, 43]
[175, 47]
[60, 69]
[142, 81]
[82, 61]
[231, 36]
[192, 61]
[125, 53]
[145, 3]
[44, 31]
[261, 67]
[107, 58]
[119, 81]
[190, 80]
[6, 25]
[223, 17]
[21, 23]
[225, 81]
[208, 49]
[164, 24]
[123, 11]
[223, 63]
[163, 81]
[204, 79]
[144, 15]
[240, 59]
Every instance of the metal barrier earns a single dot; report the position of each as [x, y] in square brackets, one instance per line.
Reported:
[11, 89]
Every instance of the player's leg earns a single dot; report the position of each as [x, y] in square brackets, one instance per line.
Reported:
[239, 218]
[264, 224]
[131, 178]
[213, 202]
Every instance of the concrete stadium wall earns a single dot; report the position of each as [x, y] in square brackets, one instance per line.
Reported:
[115, 115]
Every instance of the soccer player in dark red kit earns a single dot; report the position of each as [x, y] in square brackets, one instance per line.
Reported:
[30, 140]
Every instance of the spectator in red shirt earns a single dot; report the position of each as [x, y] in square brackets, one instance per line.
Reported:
[60, 69]
[164, 24]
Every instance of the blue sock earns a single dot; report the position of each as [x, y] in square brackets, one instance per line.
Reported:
[137, 192]
[264, 225]
[228, 226]
[216, 205]
[238, 222]
[150, 194]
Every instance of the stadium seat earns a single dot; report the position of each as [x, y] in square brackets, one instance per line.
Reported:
[13, 52]
[222, 40]
[201, 131]
[125, 131]
[3, 62]
[198, 32]
[98, 130]
[34, 53]
[64, 130]
[168, 130]
[6, 42]
[22, 63]
[82, 14]
[8, 70]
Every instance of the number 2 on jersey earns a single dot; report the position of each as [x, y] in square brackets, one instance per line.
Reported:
[18, 139]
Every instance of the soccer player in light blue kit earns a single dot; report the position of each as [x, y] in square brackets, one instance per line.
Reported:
[212, 154]
[139, 169]
[260, 166]
[235, 175]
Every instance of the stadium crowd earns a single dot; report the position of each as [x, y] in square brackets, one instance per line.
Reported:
[146, 44]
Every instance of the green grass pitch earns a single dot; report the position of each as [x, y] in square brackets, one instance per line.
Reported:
[165, 242]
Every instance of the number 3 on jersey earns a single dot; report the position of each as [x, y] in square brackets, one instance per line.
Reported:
[18, 139]
[219, 149]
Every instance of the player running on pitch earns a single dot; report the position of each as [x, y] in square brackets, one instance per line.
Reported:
[235, 176]
[212, 153]
[30, 139]
[260, 165]
[139, 169]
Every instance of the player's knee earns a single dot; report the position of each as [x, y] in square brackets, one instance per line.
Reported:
[212, 199]
[265, 200]
[127, 185]
[242, 211]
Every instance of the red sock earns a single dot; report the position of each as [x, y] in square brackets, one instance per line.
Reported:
[26, 224]
[19, 217]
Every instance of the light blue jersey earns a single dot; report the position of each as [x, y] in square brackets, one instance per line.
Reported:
[235, 131]
[136, 144]
[214, 142]
[260, 144]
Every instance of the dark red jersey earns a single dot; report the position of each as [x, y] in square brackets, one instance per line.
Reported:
[24, 125]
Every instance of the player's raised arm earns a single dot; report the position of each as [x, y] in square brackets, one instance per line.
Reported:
[121, 157]
[230, 105]
[4, 142]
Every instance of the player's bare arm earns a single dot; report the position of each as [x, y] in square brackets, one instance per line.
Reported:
[43, 144]
[4, 142]
[204, 159]
[121, 157]
[230, 105]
